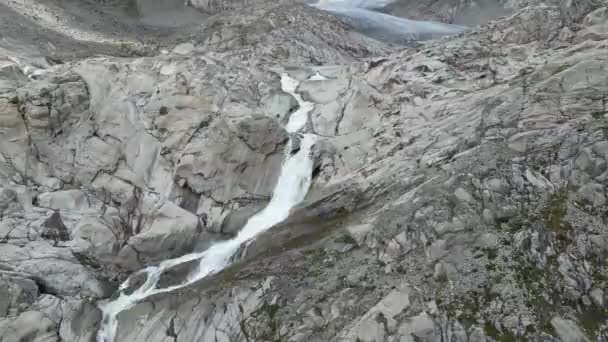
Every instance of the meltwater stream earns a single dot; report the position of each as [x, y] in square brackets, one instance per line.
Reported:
[290, 190]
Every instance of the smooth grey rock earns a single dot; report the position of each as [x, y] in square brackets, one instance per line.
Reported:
[568, 330]
[322, 92]
[241, 158]
[372, 326]
[167, 231]
[279, 105]
[416, 327]
[464, 195]
[237, 218]
[512, 113]
[183, 49]
[29, 326]
[68, 200]
[438, 250]
[597, 295]
[17, 294]
[359, 232]
[55, 268]
[596, 17]
[81, 321]
[50, 306]
[9, 201]
[594, 193]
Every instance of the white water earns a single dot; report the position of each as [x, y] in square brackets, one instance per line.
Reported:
[290, 190]
[317, 77]
[298, 119]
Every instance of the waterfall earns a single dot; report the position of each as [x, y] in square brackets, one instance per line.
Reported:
[291, 188]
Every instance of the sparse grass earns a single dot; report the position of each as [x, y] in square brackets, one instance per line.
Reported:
[491, 253]
[548, 328]
[591, 320]
[554, 216]
[501, 336]
[598, 115]
[346, 239]
[561, 68]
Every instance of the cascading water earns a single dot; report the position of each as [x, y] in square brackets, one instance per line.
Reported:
[291, 188]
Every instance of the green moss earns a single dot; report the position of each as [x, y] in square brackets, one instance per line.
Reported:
[508, 336]
[469, 310]
[491, 253]
[315, 255]
[514, 224]
[555, 212]
[537, 300]
[533, 280]
[552, 260]
[501, 336]
[548, 328]
[554, 215]
[347, 239]
[488, 295]
[561, 68]
[267, 313]
[490, 330]
[591, 319]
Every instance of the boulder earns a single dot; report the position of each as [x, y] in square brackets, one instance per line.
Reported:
[54, 269]
[29, 326]
[160, 230]
[17, 293]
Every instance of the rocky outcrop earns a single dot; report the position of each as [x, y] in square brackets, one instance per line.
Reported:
[481, 182]
[467, 12]
[459, 190]
[289, 33]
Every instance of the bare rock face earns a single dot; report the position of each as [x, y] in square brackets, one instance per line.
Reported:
[459, 186]
[437, 198]
[149, 241]
[215, 6]
[293, 33]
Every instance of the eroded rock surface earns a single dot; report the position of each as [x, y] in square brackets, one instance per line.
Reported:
[459, 190]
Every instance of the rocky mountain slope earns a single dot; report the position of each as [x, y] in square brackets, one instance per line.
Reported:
[459, 188]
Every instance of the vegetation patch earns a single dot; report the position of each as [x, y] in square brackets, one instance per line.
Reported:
[591, 320]
[463, 308]
[597, 115]
[346, 239]
[501, 336]
[263, 324]
[491, 253]
[548, 328]
[542, 296]
[561, 68]
[554, 216]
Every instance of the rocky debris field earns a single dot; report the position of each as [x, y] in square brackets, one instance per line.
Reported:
[459, 190]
